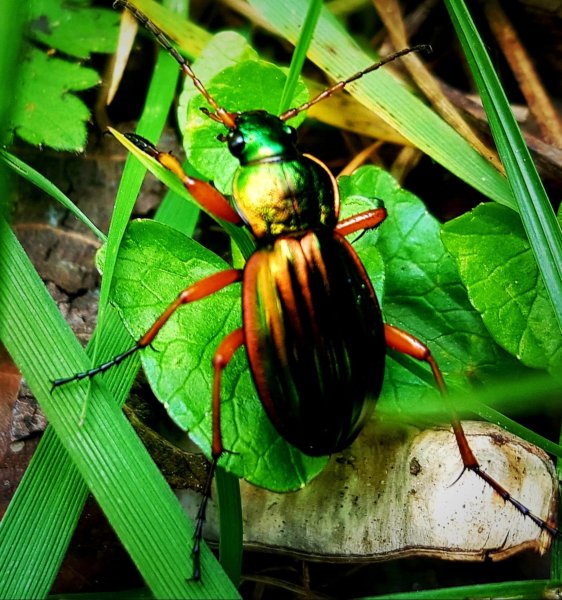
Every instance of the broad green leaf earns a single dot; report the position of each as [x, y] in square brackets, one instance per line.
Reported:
[46, 112]
[250, 85]
[425, 296]
[74, 28]
[498, 267]
[154, 264]
[354, 200]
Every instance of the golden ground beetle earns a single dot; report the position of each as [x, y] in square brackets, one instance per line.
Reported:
[312, 326]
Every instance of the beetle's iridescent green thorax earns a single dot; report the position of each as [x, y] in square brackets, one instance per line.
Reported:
[277, 190]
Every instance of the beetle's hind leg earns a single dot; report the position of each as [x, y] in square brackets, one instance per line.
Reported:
[406, 343]
[221, 358]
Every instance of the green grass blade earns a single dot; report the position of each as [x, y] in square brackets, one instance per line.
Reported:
[493, 416]
[40, 520]
[121, 595]
[517, 396]
[535, 209]
[14, 19]
[231, 531]
[44, 184]
[335, 52]
[239, 235]
[157, 106]
[299, 55]
[518, 590]
[178, 213]
[111, 459]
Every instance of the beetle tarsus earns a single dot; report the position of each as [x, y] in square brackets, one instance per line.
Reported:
[507, 497]
[200, 522]
[143, 144]
[406, 343]
[96, 370]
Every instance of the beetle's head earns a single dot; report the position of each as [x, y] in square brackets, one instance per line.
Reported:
[258, 135]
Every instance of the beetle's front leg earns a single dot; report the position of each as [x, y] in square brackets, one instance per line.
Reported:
[205, 194]
[365, 220]
[406, 343]
[197, 291]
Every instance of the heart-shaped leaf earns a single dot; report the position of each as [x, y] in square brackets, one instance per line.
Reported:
[503, 281]
[424, 295]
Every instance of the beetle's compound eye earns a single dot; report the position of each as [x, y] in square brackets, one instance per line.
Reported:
[236, 143]
[292, 134]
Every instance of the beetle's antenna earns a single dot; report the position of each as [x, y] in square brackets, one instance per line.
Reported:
[293, 112]
[228, 119]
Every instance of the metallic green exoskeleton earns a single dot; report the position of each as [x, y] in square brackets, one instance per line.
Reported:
[312, 325]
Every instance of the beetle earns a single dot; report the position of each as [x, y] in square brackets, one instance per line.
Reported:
[312, 326]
